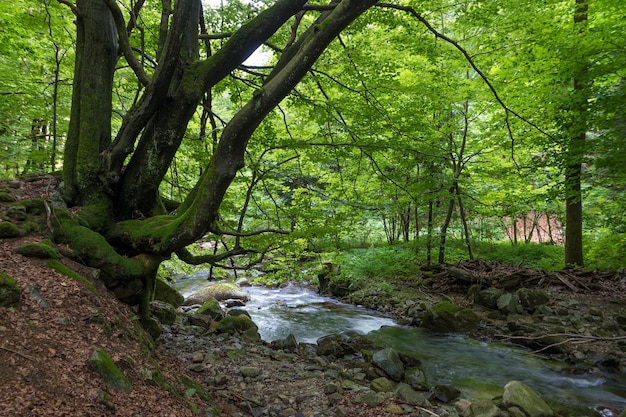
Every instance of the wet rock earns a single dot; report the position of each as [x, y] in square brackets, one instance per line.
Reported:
[520, 395]
[445, 393]
[288, 344]
[200, 320]
[445, 317]
[239, 312]
[509, 304]
[389, 361]
[236, 324]
[331, 345]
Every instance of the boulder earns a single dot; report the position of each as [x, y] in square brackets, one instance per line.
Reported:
[488, 297]
[531, 298]
[219, 291]
[332, 345]
[389, 361]
[164, 312]
[8, 230]
[445, 393]
[416, 378]
[520, 395]
[445, 317]
[164, 292]
[482, 408]
[9, 291]
[509, 304]
[408, 395]
[211, 308]
[37, 250]
[235, 324]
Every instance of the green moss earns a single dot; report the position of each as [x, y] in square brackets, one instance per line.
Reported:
[61, 268]
[37, 250]
[5, 196]
[199, 389]
[8, 230]
[36, 206]
[97, 216]
[9, 291]
[167, 294]
[112, 376]
[235, 324]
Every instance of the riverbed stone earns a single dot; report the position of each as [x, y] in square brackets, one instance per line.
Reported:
[382, 384]
[250, 371]
[445, 317]
[531, 298]
[219, 291]
[164, 312]
[445, 393]
[164, 292]
[416, 378]
[482, 408]
[518, 394]
[372, 399]
[405, 393]
[331, 345]
[211, 307]
[389, 361]
[488, 297]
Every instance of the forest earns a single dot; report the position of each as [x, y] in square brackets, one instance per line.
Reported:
[279, 130]
[452, 170]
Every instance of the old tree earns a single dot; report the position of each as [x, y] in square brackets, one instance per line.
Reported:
[120, 223]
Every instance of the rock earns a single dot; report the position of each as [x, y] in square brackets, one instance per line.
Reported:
[394, 409]
[288, 344]
[37, 250]
[372, 399]
[407, 394]
[219, 291]
[110, 374]
[330, 389]
[239, 312]
[164, 292]
[416, 378]
[200, 320]
[163, 312]
[197, 367]
[331, 345]
[518, 394]
[6, 197]
[531, 298]
[211, 307]
[198, 357]
[445, 393]
[238, 324]
[8, 230]
[17, 213]
[389, 361]
[382, 384]
[445, 317]
[250, 371]
[9, 291]
[482, 408]
[509, 304]
[488, 297]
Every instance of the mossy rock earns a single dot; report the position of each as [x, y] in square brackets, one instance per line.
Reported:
[9, 291]
[9, 230]
[167, 294]
[17, 213]
[235, 324]
[108, 371]
[35, 207]
[6, 197]
[164, 312]
[445, 317]
[211, 308]
[219, 291]
[37, 250]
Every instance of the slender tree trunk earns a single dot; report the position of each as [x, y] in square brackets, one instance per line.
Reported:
[575, 155]
[466, 232]
[429, 232]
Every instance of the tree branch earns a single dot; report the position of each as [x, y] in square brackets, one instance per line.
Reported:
[122, 33]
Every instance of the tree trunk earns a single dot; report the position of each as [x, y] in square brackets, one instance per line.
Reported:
[575, 155]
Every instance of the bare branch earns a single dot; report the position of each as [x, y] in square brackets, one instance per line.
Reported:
[69, 4]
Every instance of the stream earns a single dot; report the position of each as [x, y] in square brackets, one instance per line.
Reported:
[476, 368]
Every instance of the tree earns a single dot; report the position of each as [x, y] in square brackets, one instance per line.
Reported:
[124, 227]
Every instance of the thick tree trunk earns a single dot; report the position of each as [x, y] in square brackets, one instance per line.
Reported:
[90, 124]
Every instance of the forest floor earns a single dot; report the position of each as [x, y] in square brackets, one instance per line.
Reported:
[48, 338]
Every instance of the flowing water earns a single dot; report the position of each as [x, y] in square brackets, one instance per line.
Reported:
[472, 366]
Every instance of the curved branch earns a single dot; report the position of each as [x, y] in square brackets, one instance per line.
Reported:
[191, 259]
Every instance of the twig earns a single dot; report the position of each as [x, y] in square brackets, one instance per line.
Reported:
[19, 354]
[570, 338]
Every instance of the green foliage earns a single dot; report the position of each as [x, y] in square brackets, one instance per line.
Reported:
[378, 263]
[606, 250]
